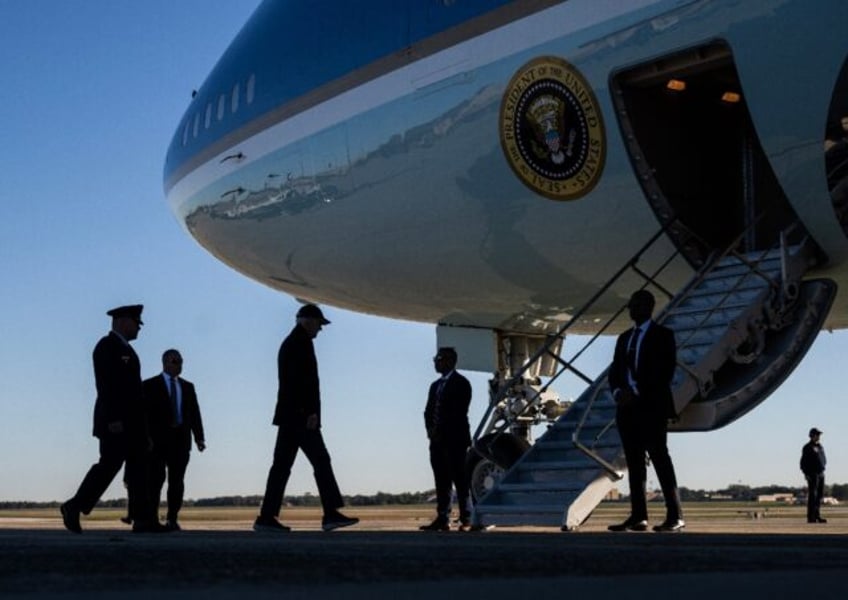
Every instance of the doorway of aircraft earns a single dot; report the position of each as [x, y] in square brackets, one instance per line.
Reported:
[694, 147]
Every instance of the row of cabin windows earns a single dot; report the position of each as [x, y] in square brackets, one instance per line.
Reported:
[192, 126]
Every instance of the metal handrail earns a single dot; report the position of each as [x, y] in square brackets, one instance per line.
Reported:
[630, 265]
[708, 268]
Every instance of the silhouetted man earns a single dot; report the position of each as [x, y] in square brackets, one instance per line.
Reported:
[174, 416]
[640, 380]
[298, 418]
[119, 424]
[813, 462]
[446, 421]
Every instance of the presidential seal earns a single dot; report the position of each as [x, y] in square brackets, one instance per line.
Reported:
[551, 128]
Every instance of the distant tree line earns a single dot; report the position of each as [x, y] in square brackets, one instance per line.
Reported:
[736, 492]
[739, 492]
[307, 499]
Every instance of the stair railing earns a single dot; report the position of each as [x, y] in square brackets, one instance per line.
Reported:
[568, 365]
[709, 266]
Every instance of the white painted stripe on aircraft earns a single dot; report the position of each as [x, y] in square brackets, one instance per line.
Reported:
[516, 37]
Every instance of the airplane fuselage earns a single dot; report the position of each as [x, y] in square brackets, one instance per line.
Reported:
[491, 164]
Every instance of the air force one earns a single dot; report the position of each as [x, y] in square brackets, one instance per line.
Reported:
[513, 171]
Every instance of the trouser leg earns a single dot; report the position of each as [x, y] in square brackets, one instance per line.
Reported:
[101, 474]
[657, 447]
[815, 490]
[285, 451]
[316, 452]
[177, 465]
[138, 487]
[637, 473]
[460, 481]
[156, 478]
[442, 478]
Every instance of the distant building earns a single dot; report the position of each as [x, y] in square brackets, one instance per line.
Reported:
[613, 495]
[787, 498]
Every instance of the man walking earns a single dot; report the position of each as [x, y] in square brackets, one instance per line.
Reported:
[298, 418]
[119, 425]
[446, 421]
[813, 462]
[174, 416]
[640, 380]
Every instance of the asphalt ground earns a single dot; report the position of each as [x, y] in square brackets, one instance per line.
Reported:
[741, 552]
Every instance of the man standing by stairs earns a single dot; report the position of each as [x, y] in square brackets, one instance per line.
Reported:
[640, 379]
[813, 462]
[446, 421]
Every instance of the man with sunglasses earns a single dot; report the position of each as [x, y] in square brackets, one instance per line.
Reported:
[446, 421]
[174, 417]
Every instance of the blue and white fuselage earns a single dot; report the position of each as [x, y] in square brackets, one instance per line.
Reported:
[361, 154]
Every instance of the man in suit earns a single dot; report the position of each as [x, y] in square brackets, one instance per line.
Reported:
[174, 416]
[298, 418]
[813, 463]
[446, 421]
[640, 381]
[119, 424]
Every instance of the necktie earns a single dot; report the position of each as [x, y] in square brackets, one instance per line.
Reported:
[631, 350]
[438, 407]
[172, 392]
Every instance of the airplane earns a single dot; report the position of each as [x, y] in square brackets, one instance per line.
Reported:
[511, 171]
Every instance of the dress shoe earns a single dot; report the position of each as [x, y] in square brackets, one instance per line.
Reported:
[70, 516]
[336, 520]
[817, 520]
[126, 520]
[172, 525]
[437, 525]
[675, 525]
[269, 525]
[630, 525]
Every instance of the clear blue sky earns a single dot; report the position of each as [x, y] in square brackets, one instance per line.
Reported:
[92, 91]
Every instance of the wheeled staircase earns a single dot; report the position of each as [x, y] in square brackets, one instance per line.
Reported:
[741, 324]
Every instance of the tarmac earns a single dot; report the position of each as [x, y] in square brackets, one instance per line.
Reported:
[744, 557]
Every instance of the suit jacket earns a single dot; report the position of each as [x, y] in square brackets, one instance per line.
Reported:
[299, 393]
[117, 377]
[813, 460]
[160, 414]
[654, 369]
[446, 414]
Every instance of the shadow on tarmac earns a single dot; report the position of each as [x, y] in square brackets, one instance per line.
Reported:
[376, 564]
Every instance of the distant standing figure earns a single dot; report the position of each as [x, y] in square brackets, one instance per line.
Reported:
[174, 416]
[446, 421]
[640, 379]
[813, 462]
[298, 418]
[119, 424]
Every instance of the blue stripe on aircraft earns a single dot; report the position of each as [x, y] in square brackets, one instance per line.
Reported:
[298, 46]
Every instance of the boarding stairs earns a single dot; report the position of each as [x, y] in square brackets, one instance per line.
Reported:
[741, 324]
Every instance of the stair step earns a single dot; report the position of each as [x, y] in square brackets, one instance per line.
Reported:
[555, 465]
[541, 486]
[527, 509]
